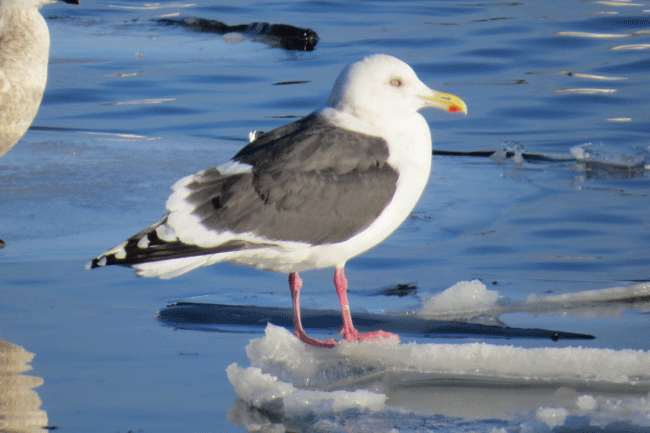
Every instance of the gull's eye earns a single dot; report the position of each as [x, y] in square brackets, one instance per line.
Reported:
[396, 82]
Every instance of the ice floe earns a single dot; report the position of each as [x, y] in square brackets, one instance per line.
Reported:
[360, 385]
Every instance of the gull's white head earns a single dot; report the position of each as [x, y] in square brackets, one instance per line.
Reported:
[383, 88]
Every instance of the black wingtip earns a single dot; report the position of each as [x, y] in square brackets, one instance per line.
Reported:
[92, 264]
[102, 261]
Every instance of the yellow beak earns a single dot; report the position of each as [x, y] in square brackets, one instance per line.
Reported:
[444, 101]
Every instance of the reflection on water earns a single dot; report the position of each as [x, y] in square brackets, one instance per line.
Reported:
[19, 404]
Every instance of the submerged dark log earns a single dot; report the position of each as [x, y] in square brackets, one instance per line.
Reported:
[196, 315]
[276, 35]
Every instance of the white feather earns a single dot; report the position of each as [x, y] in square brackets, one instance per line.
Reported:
[359, 103]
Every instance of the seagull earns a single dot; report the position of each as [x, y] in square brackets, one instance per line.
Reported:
[310, 194]
[24, 52]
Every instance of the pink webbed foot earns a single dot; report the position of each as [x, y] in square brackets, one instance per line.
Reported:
[295, 283]
[348, 330]
[354, 335]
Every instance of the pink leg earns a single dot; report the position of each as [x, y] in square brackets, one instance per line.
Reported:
[295, 283]
[348, 331]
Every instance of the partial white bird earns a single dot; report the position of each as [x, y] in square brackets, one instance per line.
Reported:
[24, 53]
[310, 194]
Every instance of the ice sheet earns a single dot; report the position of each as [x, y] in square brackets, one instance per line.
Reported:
[469, 300]
[598, 153]
[296, 384]
[605, 162]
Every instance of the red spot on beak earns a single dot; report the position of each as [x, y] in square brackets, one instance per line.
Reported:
[453, 108]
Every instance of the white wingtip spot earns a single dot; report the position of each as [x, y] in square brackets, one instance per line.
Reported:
[143, 242]
[89, 265]
[118, 251]
[102, 261]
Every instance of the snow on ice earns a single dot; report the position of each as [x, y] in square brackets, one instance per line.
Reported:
[361, 386]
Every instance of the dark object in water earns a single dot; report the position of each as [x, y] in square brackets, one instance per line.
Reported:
[2, 244]
[402, 289]
[537, 157]
[276, 35]
[203, 316]
[595, 169]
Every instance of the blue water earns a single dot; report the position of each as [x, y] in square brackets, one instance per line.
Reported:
[132, 106]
